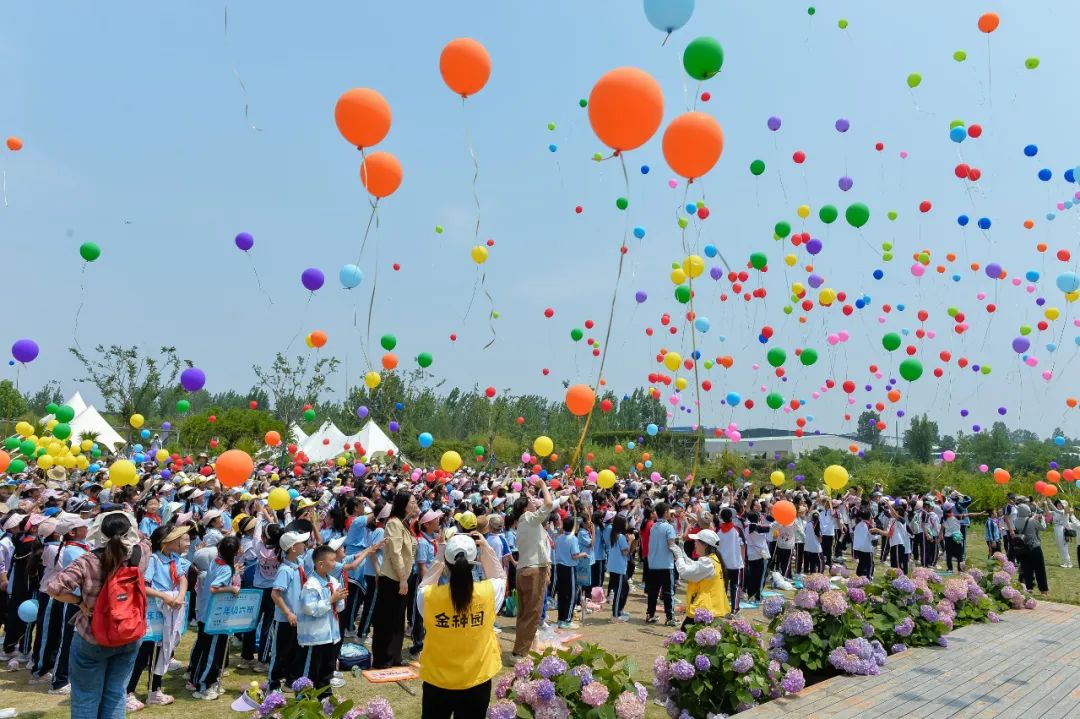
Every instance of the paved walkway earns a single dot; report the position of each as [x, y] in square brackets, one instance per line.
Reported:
[1026, 666]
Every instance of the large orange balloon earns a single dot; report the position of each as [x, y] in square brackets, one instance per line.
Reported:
[580, 399]
[381, 174]
[784, 512]
[989, 22]
[465, 66]
[692, 144]
[5, 460]
[625, 108]
[389, 361]
[234, 467]
[272, 438]
[14, 144]
[362, 116]
[1001, 476]
[318, 338]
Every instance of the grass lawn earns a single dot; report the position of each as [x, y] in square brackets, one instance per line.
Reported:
[1064, 583]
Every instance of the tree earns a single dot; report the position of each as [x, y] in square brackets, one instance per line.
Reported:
[131, 381]
[48, 394]
[293, 384]
[921, 438]
[12, 404]
[234, 428]
[1020, 436]
[867, 430]
[948, 442]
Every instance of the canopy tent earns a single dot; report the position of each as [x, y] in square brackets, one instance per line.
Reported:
[325, 443]
[373, 440]
[89, 424]
[298, 434]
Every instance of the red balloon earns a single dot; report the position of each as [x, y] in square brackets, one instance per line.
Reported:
[799, 157]
[490, 392]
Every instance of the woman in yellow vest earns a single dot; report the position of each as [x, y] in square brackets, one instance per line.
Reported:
[704, 576]
[461, 651]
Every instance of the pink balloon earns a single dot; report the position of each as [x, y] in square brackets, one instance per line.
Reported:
[948, 455]
[673, 183]
[833, 339]
[843, 334]
[655, 477]
[1047, 375]
[903, 154]
[918, 270]
[592, 477]
[1032, 361]
[526, 458]
[735, 436]
[981, 295]
[516, 486]
[983, 468]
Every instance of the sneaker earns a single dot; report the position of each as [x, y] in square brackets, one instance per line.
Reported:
[496, 629]
[624, 617]
[651, 620]
[567, 625]
[209, 695]
[260, 668]
[62, 691]
[337, 682]
[159, 697]
[351, 634]
[190, 686]
[133, 704]
[174, 666]
[13, 665]
[671, 623]
[46, 677]
[245, 664]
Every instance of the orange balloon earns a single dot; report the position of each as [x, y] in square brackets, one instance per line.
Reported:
[5, 460]
[784, 512]
[580, 399]
[692, 144]
[465, 66]
[272, 438]
[1001, 476]
[625, 108]
[1053, 476]
[381, 174]
[1070, 402]
[233, 467]
[362, 116]
[989, 22]
[1051, 490]
[318, 338]
[894, 395]
[389, 360]
[14, 144]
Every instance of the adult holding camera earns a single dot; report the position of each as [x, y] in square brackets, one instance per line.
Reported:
[528, 516]
[1028, 544]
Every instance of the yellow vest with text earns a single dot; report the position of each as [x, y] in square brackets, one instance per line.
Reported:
[708, 593]
[460, 651]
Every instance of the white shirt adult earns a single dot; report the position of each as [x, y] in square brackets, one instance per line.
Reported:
[534, 549]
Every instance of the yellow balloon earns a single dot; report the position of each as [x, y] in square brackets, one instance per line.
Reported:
[1052, 313]
[677, 276]
[673, 360]
[1072, 296]
[372, 380]
[123, 472]
[68, 462]
[693, 266]
[35, 439]
[543, 446]
[137, 420]
[82, 463]
[51, 423]
[479, 254]
[827, 296]
[308, 342]
[54, 448]
[605, 478]
[836, 477]
[450, 461]
[24, 429]
[777, 478]
[75, 449]
[797, 288]
[278, 498]
[341, 461]
[87, 445]
[45, 461]
[790, 260]
[680, 383]
[803, 212]
[161, 455]
[108, 484]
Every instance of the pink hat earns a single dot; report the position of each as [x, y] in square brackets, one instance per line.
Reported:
[430, 516]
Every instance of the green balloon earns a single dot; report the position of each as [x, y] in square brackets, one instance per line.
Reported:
[776, 356]
[424, 359]
[51, 408]
[911, 369]
[774, 400]
[959, 56]
[842, 24]
[808, 356]
[622, 203]
[478, 450]
[40, 451]
[183, 406]
[891, 341]
[757, 167]
[956, 123]
[892, 214]
[811, 11]
[11, 444]
[27, 447]
[828, 214]
[64, 413]
[16, 466]
[576, 334]
[582, 102]
[1031, 63]
[703, 58]
[309, 415]
[388, 342]
[758, 260]
[857, 215]
[914, 80]
[89, 251]
[61, 430]
[95, 451]
[782, 229]
[682, 294]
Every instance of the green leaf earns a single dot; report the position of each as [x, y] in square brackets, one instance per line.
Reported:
[606, 712]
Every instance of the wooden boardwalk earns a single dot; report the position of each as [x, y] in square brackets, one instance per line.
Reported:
[1026, 666]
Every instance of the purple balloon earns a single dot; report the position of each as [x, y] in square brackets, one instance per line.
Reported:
[815, 281]
[359, 470]
[716, 273]
[845, 183]
[814, 246]
[361, 412]
[993, 270]
[774, 123]
[963, 413]
[192, 379]
[393, 426]
[25, 351]
[842, 125]
[1021, 345]
[640, 296]
[244, 241]
[312, 278]
[166, 426]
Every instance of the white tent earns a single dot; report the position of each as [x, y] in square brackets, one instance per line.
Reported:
[373, 440]
[298, 434]
[325, 443]
[89, 423]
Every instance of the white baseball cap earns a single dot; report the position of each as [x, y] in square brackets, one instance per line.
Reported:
[706, 536]
[335, 544]
[290, 538]
[460, 545]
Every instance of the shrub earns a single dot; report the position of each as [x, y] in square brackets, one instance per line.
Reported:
[1002, 587]
[901, 609]
[818, 620]
[312, 703]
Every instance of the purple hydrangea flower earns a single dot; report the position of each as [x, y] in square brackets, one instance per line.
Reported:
[551, 666]
[817, 583]
[545, 690]
[993, 617]
[943, 641]
[905, 628]
[682, 670]
[1009, 593]
[502, 687]
[903, 584]
[955, 590]
[928, 613]
[744, 627]
[779, 654]
[584, 673]
[1030, 603]
[1000, 578]
[857, 595]
[662, 669]
[897, 648]
[867, 629]
[797, 624]
[502, 710]
[557, 708]
[774, 669]
[777, 640]
[301, 684]
[858, 581]
[708, 637]
[793, 682]
[742, 664]
[628, 706]
[594, 694]
[833, 603]
[523, 668]
[642, 692]
[772, 606]
[379, 708]
[975, 574]
[806, 599]
[676, 638]
[273, 702]
[703, 616]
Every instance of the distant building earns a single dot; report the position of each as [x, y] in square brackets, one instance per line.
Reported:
[785, 445]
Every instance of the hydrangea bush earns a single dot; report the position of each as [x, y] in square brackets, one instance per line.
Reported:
[1000, 583]
[312, 703]
[583, 682]
[902, 612]
[720, 667]
[818, 620]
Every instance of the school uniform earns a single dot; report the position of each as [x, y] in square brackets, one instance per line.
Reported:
[209, 652]
[163, 573]
[661, 569]
[731, 551]
[426, 547]
[566, 546]
[827, 525]
[317, 629]
[757, 557]
[69, 552]
[863, 544]
[899, 545]
[812, 544]
[148, 524]
[267, 562]
[370, 581]
[50, 613]
[785, 545]
[285, 651]
[952, 532]
[618, 584]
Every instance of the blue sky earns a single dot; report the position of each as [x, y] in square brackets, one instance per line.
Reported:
[135, 139]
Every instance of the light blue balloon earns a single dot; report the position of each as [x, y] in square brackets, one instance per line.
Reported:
[145, 434]
[1077, 340]
[1032, 276]
[958, 134]
[1050, 347]
[425, 439]
[94, 468]
[905, 331]
[631, 445]
[710, 250]
[1059, 441]
[702, 324]
[293, 494]
[639, 232]
[1068, 282]
[733, 399]
[1050, 216]
[139, 458]
[138, 448]
[651, 430]
[668, 15]
[350, 276]
[28, 611]
[648, 465]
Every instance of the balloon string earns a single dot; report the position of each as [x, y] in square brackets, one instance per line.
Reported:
[258, 280]
[472, 297]
[372, 218]
[491, 313]
[371, 303]
[243, 88]
[611, 319]
[476, 167]
[5, 189]
[693, 346]
[82, 300]
[302, 323]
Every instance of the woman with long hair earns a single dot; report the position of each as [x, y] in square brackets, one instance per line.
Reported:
[461, 651]
[618, 554]
[704, 576]
[98, 673]
[393, 583]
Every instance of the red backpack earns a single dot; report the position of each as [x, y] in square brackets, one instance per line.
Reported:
[120, 612]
